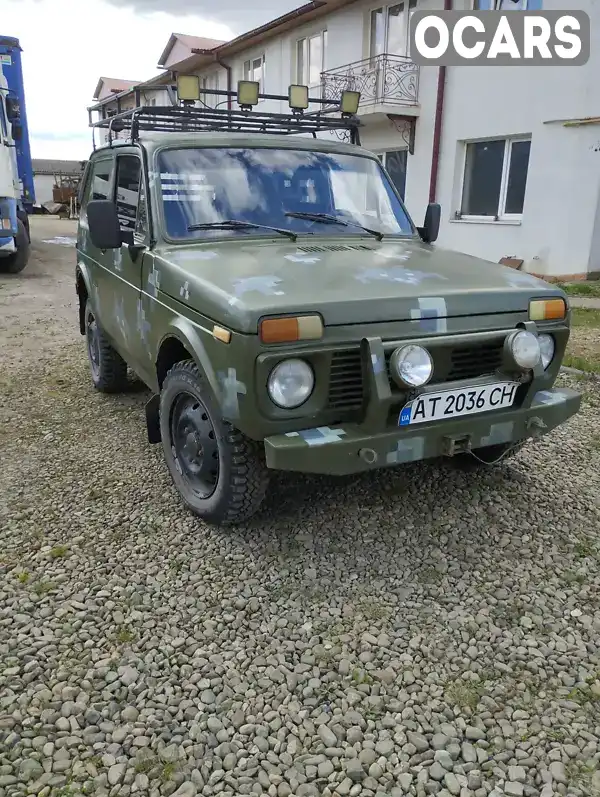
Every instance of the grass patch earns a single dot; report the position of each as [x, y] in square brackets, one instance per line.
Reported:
[168, 771]
[23, 577]
[145, 765]
[125, 635]
[43, 587]
[584, 548]
[589, 288]
[59, 551]
[587, 364]
[581, 775]
[584, 317]
[583, 348]
[463, 694]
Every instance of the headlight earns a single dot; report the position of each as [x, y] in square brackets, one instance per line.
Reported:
[290, 383]
[412, 365]
[525, 349]
[547, 347]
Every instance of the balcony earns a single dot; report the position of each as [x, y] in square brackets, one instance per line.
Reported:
[388, 84]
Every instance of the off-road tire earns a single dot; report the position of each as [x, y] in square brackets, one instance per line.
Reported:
[13, 264]
[493, 456]
[109, 374]
[243, 477]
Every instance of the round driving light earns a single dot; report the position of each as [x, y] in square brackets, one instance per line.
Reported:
[412, 365]
[290, 383]
[525, 349]
[547, 347]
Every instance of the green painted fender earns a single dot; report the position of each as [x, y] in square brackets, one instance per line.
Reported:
[185, 332]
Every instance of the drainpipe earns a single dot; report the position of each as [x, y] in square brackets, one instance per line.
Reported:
[229, 71]
[437, 129]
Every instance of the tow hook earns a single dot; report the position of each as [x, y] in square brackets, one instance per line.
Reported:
[456, 445]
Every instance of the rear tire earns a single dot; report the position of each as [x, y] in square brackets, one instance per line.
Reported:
[108, 368]
[15, 263]
[219, 473]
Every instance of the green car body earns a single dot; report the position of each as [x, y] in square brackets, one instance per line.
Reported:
[158, 301]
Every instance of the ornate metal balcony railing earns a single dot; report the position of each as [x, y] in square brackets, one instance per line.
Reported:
[382, 80]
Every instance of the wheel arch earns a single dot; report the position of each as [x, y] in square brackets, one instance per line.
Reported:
[83, 289]
[182, 339]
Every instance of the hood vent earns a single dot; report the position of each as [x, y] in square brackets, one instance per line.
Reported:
[336, 248]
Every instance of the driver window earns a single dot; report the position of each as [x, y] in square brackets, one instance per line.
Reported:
[129, 198]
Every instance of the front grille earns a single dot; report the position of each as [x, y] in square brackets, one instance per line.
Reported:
[346, 388]
[469, 362]
[345, 380]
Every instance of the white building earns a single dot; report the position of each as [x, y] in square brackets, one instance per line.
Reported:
[48, 174]
[517, 148]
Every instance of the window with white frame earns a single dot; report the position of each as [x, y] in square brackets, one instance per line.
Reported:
[507, 5]
[389, 28]
[311, 58]
[495, 178]
[254, 69]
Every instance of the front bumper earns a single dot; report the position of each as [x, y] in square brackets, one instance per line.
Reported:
[347, 449]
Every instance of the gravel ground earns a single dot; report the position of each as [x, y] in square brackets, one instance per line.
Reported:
[412, 632]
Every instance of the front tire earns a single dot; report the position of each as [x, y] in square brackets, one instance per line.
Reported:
[219, 473]
[16, 262]
[108, 368]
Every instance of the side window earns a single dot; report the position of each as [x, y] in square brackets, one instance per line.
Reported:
[128, 197]
[98, 182]
[101, 174]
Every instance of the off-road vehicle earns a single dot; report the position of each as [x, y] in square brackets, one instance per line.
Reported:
[272, 291]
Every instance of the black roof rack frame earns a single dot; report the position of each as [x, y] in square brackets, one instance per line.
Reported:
[186, 118]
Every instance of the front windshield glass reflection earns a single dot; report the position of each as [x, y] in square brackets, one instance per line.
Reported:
[263, 186]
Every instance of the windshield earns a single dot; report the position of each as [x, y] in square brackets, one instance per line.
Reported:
[206, 186]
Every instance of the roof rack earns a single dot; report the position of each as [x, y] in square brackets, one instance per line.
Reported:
[187, 117]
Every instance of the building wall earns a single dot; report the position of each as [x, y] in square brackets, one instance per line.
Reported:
[560, 218]
[43, 187]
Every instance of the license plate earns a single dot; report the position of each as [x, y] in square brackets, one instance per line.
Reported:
[453, 403]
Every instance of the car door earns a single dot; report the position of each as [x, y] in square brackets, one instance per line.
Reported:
[99, 185]
[130, 198]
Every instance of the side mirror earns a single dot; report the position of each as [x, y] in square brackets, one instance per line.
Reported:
[13, 109]
[103, 220]
[431, 226]
[17, 132]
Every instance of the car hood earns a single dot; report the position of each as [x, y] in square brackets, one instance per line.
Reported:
[347, 281]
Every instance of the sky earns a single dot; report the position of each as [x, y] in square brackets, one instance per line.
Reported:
[68, 44]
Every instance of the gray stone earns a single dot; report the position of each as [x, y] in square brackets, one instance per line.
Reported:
[355, 771]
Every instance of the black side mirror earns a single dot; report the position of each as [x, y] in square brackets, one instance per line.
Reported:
[13, 108]
[431, 227]
[17, 132]
[103, 220]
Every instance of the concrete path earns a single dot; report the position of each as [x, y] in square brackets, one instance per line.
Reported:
[587, 302]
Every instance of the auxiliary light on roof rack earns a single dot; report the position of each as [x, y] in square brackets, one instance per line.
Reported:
[192, 113]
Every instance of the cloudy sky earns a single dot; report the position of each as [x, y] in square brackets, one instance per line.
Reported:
[68, 44]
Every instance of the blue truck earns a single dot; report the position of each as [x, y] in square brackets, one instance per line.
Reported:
[17, 192]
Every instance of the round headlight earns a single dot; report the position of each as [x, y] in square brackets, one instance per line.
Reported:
[525, 349]
[290, 383]
[412, 365]
[547, 347]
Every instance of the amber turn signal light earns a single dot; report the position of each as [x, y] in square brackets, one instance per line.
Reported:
[547, 309]
[291, 328]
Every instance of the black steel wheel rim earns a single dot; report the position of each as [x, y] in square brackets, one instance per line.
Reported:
[93, 343]
[194, 444]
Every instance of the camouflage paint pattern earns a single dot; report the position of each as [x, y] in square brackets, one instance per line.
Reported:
[371, 297]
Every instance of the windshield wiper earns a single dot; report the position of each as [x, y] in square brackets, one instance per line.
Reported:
[328, 218]
[232, 224]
